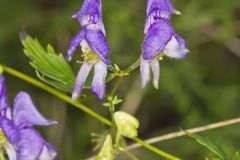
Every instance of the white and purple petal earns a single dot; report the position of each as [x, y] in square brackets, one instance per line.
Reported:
[98, 83]
[81, 78]
[159, 34]
[48, 152]
[31, 146]
[25, 114]
[176, 47]
[90, 8]
[145, 72]
[11, 152]
[3, 96]
[156, 72]
[162, 8]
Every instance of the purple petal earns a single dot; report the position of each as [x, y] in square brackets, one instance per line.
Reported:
[156, 39]
[176, 47]
[30, 145]
[48, 152]
[162, 8]
[90, 12]
[145, 72]
[3, 96]
[97, 42]
[25, 114]
[98, 83]
[81, 78]
[75, 43]
[10, 131]
[156, 72]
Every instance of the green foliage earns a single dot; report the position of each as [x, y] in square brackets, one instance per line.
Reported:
[206, 84]
[236, 156]
[50, 66]
[209, 144]
[113, 102]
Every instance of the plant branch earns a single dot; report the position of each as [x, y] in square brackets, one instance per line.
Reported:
[133, 66]
[80, 106]
[181, 133]
[56, 93]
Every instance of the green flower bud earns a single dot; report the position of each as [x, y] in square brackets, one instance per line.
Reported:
[126, 124]
[106, 152]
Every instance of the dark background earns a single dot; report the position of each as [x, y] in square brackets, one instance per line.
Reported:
[202, 89]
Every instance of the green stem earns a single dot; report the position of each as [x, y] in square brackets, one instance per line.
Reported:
[133, 66]
[115, 87]
[80, 106]
[112, 107]
[56, 93]
[156, 150]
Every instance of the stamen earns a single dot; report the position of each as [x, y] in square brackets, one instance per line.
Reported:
[178, 12]
[3, 139]
[160, 56]
[90, 56]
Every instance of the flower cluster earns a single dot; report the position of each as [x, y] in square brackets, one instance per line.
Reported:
[160, 40]
[95, 49]
[17, 135]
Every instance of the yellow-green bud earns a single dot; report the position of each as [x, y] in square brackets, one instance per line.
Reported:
[127, 125]
[106, 152]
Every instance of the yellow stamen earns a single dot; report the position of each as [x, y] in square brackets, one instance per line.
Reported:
[90, 56]
[3, 139]
[160, 56]
[178, 12]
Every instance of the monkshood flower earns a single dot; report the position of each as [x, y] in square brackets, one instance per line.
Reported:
[95, 49]
[17, 135]
[160, 40]
[157, 9]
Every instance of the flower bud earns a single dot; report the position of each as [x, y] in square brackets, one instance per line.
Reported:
[106, 152]
[126, 124]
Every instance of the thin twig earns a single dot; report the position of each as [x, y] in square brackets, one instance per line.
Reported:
[181, 133]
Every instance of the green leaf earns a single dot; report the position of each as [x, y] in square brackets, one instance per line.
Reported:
[209, 144]
[50, 67]
[236, 156]
[214, 158]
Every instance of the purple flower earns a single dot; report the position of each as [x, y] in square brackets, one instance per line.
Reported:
[160, 40]
[157, 9]
[20, 140]
[95, 49]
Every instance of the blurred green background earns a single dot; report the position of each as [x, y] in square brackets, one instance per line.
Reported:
[202, 89]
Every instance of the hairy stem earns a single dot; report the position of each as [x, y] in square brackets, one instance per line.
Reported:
[80, 106]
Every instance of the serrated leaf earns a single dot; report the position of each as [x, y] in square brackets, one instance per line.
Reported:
[209, 144]
[50, 67]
